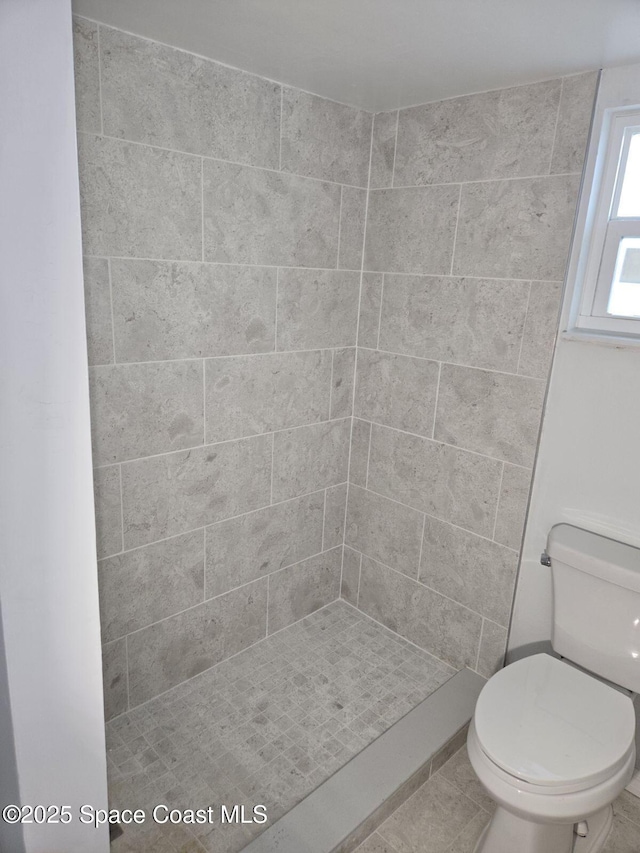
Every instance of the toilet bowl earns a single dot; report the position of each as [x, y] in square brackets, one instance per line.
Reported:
[553, 746]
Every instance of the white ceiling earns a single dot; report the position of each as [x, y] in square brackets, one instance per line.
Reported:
[384, 54]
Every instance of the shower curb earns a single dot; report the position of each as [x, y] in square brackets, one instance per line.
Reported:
[341, 812]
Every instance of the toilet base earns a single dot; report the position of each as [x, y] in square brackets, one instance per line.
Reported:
[506, 833]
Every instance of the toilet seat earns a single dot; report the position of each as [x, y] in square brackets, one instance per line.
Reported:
[550, 725]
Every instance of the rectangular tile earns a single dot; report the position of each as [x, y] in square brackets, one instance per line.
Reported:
[512, 506]
[502, 134]
[493, 646]
[476, 572]
[139, 201]
[168, 310]
[350, 576]
[369, 321]
[169, 494]
[443, 481]
[540, 329]
[297, 591]
[334, 514]
[97, 304]
[396, 391]
[384, 530]
[344, 363]
[167, 97]
[114, 677]
[253, 216]
[148, 584]
[411, 230]
[310, 458]
[442, 627]
[324, 139]
[106, 494]
[465, 320]
[574, 119]
[516, 229]
[383, 149]
[317, 308]
[352, 224]
[250, 395]
[180, 647]
[87, 75]
[246, 548]
[493, 413]
[359, 461]
[141, 409]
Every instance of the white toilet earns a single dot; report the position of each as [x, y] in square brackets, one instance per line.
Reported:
[553, 744]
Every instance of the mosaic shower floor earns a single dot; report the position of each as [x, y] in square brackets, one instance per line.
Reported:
[265, 727]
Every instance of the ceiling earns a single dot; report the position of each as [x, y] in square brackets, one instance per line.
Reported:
[384, 54]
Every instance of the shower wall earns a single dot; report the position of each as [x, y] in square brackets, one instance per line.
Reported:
[223, 224]
[470, 212]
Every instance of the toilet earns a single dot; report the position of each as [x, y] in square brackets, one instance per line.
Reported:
[552, 738]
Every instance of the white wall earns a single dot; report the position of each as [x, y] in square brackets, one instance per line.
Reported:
[588, 467]
[48, 581]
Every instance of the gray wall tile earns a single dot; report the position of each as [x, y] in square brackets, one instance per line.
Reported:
[166, 495]
[503, 134]
[450, 631]
[246, 548]
[540, 328]
[359, 452]
[299, 590]
[383, 149]
[396, 391]
[256, 217]
[411, 230]
[443, 481]
[352, 222]
[350, 575]
[106, 494]
[87, 75]
[142, 409]
[574, 119]
[512, 507]
[148, 584]
[180, 647]
[310, 458]
[518, 229]
[492, 648]
[317, 308]
[162, 96]
[250, 395]
[344, 362]
[114, 675]
[384, 530]
[138, 201]
[97, 304]
[370, 298]
[334, 513]
[168, 310]
[465, 320]
[324, 139]
[476, 572]
[493, 413]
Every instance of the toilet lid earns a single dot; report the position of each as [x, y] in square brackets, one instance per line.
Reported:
[550, 724]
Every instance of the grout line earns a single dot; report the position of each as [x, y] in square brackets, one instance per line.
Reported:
[524, 328]
[273, 451]
[202, 205]
[204, 567]
[424, 527]
[435, 404]
[366, 477]
[266, 625]
[543, 176]
[281, 121]
[333, 354]
[380, 312]
[113, 324]
[121, 507]
[455, 232]
[555, 128]
[495, 521]
[275, 331]
[265, 354]
[477, 664]
[98, 28]
[359, 579]
[204, 401]
[324, 520]
[126, 670]
[395, 149]
[340, 228]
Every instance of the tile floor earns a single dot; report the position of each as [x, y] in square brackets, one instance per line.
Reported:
[266, 726]
[448, 813]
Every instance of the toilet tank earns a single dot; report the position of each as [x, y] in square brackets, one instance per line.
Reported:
[596, 603]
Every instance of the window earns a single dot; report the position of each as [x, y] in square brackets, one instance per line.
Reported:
[610, 286]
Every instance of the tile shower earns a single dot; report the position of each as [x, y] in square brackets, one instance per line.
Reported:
[319, 341]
